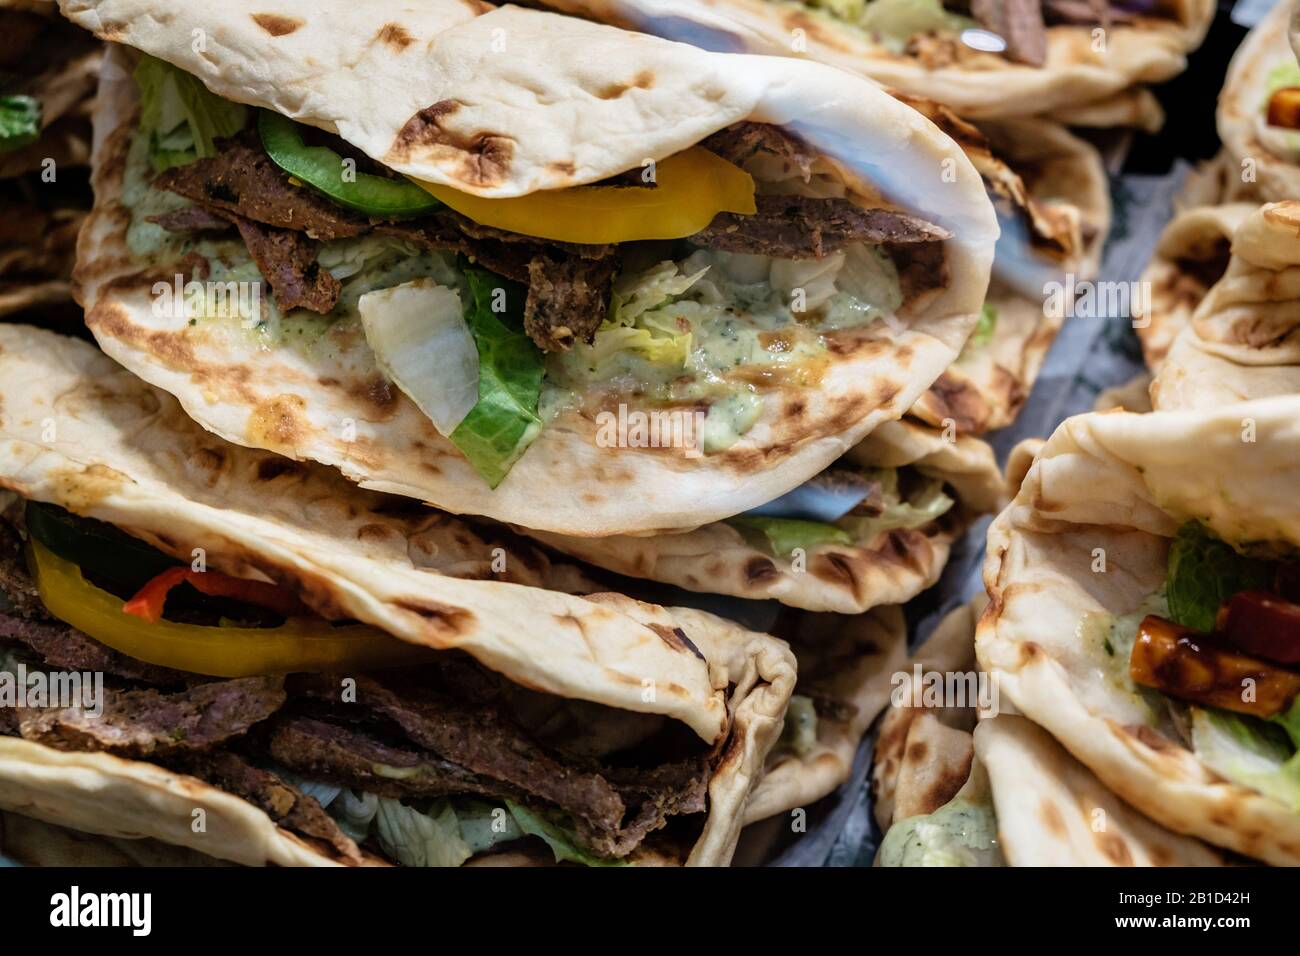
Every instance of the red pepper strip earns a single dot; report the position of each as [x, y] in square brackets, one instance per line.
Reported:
[149, 600]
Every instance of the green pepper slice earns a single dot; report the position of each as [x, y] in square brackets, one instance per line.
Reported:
[99, 548]
[20, 123]
[322, 168]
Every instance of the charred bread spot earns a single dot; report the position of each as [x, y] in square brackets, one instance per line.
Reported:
[1113, 848]
[450, 621]
[394, 35]
[210, 462]
[838, 568]
[376, 532]
[273, 466]
[278, 422]
[277, 24]
[483, 158]
[676, 638]
[760, 571]
[1051, 817]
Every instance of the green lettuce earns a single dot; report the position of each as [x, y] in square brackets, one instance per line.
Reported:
[897, 21]
[556, 837]
[1285, 74]
[412, 838]
[984, 328]
[504, 421]
[780, 536]
[20, 122]
[1252, 752]
[182, 118]
[1204, 572]
[927, 504]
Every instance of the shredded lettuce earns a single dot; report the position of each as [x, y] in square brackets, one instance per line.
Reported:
[182, 118]
[1249, 751]
[555, 836]
[779, 537]
[354, 812]
[413, 838]
[927, 504]
[1285, 74]
[896, 21]
[638, 292]
[504, 421]
[1204, 572]
[799, 735]
[984, 328]
[20, 122]
[960, 833]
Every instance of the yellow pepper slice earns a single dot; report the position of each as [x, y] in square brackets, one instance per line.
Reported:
[300, 644]
[691, 187]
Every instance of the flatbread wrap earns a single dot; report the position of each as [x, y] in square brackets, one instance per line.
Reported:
[636, 239]
[248, 614]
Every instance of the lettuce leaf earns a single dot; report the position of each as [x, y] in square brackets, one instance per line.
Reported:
[413, 838]
[1204, 572]
[20, 122]
[984, 328]
[560, 842]
[504, 421]
[927, 504]
[780, 536]
[637, 293]
[896, 21]
[182, 118]
[1248, 751]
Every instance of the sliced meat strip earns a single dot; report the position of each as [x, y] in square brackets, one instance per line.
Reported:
[741, 141]
[800, 227]
[287, 260]
[193, 219]
[138, 723]
[1084, 13]
[350, 756]
[483, 741]
[568, 299]
[281, 801]
[241, 179]
[1019, 23]
[65, 648]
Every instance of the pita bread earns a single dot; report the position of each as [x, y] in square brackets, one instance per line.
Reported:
[34, 843]
[893, 567]
[81, 432]
[1051, 811]
[1268, 158]
[1124, 483]
[1066, 188]
[977, 85]
[1190, 257]
[914, 776]
[849, 662]
[1243, 338]
[562, 133]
